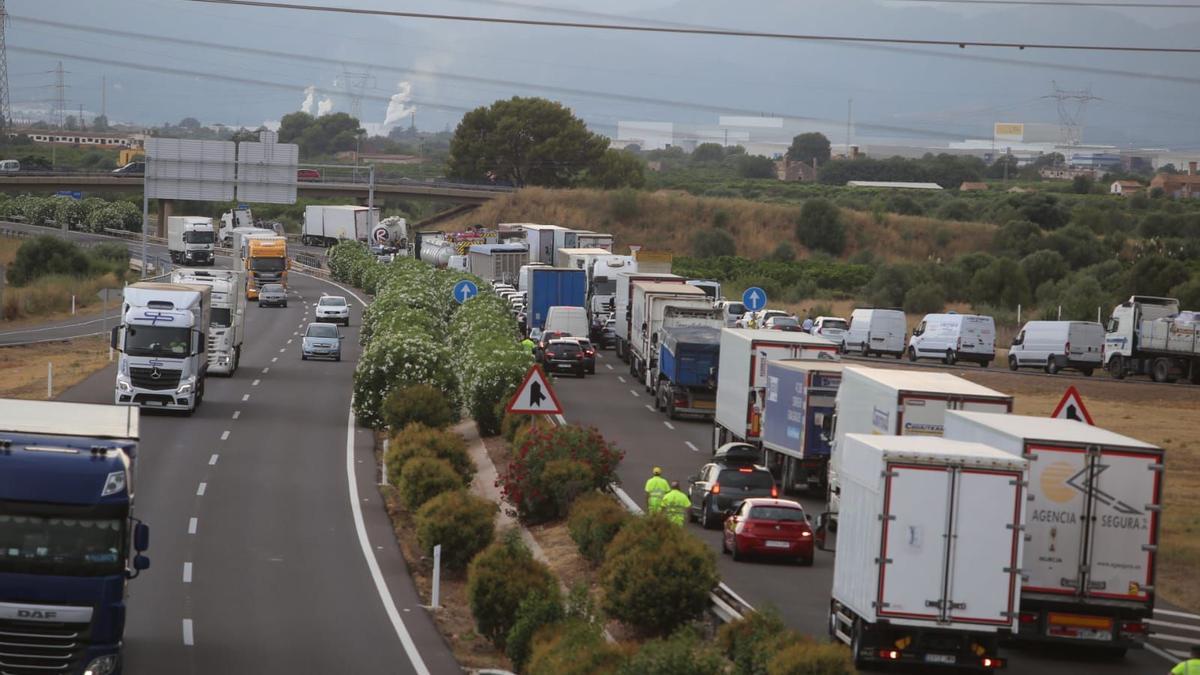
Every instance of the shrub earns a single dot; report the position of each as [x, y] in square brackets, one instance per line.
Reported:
[419, 403]
[400, 358]
[461, 522]
[623, 204]
[713, 243]
[573, 648]
[656, 576]
[681, 654]
[805, 657]
[46, 255]
[1000, 284]
[534, 612]
[783, 253]
[418, 440]
[747, 642]
[594, 520]
[511, 424]
[423, 478]
[527, 484]
[925, 298]
[819, 227]
[498, 579]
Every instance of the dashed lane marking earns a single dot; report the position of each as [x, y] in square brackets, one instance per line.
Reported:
[621, 379]
[274, 359]
[650, 408]
[692, 446]
[245, 397]
[225, 435]
[187, 572]
[237, 414]
[608, 365]
[188, 638]
[200, 490]
[634, 392]
[212, 461]
[669, 425]
[255, 383]
[267, 369]
[192, 524]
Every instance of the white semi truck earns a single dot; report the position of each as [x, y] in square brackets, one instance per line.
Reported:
[190, 240]
[234, 219]
[327, 225]
[228, 321]
[624, 297]
[1150, 336]
[654, 306]
[162, 339]
[1091, 545]
[602, 282]
[927, 571]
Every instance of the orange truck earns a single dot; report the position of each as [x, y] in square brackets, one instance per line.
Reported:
[266, 260]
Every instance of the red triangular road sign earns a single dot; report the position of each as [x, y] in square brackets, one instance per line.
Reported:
[535, 396]
[1071, 407]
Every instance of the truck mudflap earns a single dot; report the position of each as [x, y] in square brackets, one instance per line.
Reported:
[926, 647]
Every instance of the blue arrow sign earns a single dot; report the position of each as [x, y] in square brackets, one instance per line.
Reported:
[754, 298]
[465, 290]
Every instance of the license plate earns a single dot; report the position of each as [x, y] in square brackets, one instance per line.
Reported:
[949, 659]
[778, 544]
[564, 366]
[1074, 633]
[704, 405]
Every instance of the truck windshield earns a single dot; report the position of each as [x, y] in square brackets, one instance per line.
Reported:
[163, 341]
[198, 237]
[220, 317]
[77, 546]
[266, 264]
[604, 286]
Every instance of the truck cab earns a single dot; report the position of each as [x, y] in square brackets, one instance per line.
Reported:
[190, 240]
[69, 541]
[162, 339]
[266, 262]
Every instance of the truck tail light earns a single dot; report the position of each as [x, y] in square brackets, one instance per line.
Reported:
[1067, 347]
[716, 489]
[889, 654]
[1135, 627]
[549, 355]
[579, 355]
[992, 662]
[1028, 617]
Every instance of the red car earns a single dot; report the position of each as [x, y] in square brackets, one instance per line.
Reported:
[308, 174]
[769, 527]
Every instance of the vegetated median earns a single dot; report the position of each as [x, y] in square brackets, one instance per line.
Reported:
[47, 276]
[647, 580]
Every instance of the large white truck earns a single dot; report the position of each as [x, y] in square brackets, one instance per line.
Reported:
[190, 240]
[742, 376]
[497, 262]
[1091, 538]
[227, 326]
[900, 403]
[1150, 336]
[624, 298]
[649, 309]
[162, 339]
[233, 219]
[327, 225]
[927, 566]
[541, 240]
[602, 282]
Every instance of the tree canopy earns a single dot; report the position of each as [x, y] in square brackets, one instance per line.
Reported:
[319, 135]
[808, 147]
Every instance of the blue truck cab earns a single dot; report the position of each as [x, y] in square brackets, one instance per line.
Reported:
[797, 421]
[688, 357]
[68, 540]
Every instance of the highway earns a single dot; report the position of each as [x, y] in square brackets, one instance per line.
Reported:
[613, 402]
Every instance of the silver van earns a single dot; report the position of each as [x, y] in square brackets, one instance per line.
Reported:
[9, 166]
[1055, 345]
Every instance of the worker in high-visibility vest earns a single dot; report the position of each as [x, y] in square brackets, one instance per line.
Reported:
[1191, 666]
[675, 504]
[656, 488]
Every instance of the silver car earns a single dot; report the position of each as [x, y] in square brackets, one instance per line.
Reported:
[273, 295]
[333, 308]
[321, 341]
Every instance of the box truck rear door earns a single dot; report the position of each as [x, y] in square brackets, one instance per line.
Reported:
[982, 580]
[1054, 522]
[916, 509]
[1126, 491]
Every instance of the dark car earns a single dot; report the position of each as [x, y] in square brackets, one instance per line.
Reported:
[589, 354]
[564, 355]
[272, 295]
[131, 169]
[732, 477]
[608, 335]
[769, 528]
[544, 339]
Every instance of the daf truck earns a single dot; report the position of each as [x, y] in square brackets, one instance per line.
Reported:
[797, 422]
[69, 539]
[190, 240]
[162, 339]
[228, 321]
[1150, 336]
[265, 259]
[927, 571]
[1092, 533]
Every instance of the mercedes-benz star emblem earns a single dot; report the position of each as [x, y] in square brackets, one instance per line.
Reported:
[154, 374]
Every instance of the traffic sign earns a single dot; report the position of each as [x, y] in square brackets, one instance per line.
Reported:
[754, 298]
[465, 290]
[1071, 407]
[73, 194]
[535, 396]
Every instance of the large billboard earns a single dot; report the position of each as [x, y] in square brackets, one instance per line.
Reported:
[1009, 131]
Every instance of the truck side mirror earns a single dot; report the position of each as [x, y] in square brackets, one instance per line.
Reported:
[198, 342]
[115, 338]
[141, 537]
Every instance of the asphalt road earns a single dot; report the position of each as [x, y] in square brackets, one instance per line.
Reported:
[612, 401]
[258, 564]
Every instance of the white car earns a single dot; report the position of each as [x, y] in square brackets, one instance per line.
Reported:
[830, 327]
[333, 308]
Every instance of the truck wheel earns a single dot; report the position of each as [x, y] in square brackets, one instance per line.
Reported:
[912, 354]
[237, 360]
[737, 555]
[1052, 366]
[951, 358]
[671, 414]
[1162, 371]
[1087, 372]
[1116, 367]
[1012, 363]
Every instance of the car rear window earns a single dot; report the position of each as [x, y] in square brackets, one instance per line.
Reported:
[754, 479]
[336, 302]
[565, 348]
[838, 324]
[321, 330]
[777, 513]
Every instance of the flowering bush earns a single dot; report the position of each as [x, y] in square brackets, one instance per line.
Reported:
[345, 255]
[534, 493]
[484, 332]
[399, 358]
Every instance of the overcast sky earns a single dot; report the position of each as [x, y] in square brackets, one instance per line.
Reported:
[205, 64]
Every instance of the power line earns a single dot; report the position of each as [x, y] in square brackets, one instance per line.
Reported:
[716, 32]
[1061, 3]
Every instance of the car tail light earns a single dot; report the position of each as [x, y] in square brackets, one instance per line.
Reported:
[889, 654]
[549, 355]
[774, 491]
[716, 489]
[992, 662]
[591, 352]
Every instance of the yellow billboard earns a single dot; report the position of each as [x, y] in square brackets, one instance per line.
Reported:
[1012, 131]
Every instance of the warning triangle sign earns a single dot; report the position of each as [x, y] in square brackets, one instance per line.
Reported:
[535, 396]
[1071, 407]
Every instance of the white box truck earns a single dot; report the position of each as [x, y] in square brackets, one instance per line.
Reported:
[901, 403]
[1150, 336]
[623, 298]
[190, 240]
[602, 282]
[162, 339]
[648, 309]
[1093, 527]
[227, 325]
[742, 376]
[540, 238]
[929, 550]
[327, 225]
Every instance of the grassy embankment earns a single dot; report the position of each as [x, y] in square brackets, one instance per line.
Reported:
[49, 297]
[25, 370]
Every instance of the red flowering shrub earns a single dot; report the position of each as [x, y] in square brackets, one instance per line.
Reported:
[539, 486]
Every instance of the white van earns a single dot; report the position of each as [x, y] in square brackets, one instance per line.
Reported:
[954, 337]
[731, 310]
[1054, 345]
[570, 320]
[9, 166]
[876, 331]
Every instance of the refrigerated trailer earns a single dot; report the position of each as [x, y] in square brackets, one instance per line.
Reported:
[497, 262]
[1092, 529]
[797, 422]
[624, 298]
[927, 567]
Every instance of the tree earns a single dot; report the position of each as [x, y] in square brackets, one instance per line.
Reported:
[713, 243]
[1000, 284]
[1155, 275]
[808, 147]
[100, 123]
[755, 166]
[1082, 184]
[319, 135]
[524, 141]
[618, 169]
[819, 226]
[1005, 166]
[1043, 266]
[70, 123]
[189, 123]
[708, 152]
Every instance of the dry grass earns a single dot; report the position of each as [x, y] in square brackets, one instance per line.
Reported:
[24, 367]
[51, 296]
[668, 219]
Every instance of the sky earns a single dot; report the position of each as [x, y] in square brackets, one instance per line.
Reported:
[159, 61]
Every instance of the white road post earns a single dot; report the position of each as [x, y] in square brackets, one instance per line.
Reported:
[72, 304]
[49, 380]
[437, 573]
[1018, 316]
[383, 462]
[1060, 312]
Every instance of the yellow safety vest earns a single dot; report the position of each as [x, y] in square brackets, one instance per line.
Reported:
[675, 505]
[1189, 667]
[656, 487]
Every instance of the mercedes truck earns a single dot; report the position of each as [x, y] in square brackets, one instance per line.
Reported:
[162, 339]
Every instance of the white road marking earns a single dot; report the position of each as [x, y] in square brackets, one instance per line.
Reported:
[650, 408]
[282, 350]
[289, 341]
[1184, 615]
[692, 446]
[188, 638]
[187, 572]
[192, 523]
[245, 397]
[381, 587]
[212, 461]
[200, 490]
[237, 414]
[635, 394]
[255, 383]
[621, 379]
[267, 369]
[295, 333]
[669, 425]
[274, 359]
[225, 435]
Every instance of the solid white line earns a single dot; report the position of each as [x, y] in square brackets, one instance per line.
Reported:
[255, 383]
[237, 414]
[650, 408]
[381, 587]
[1163, 637]
[267, 369]
[621, 379]
[192, 525]
[1183, 615]
[212, 461]
[669, 425]
[245, 397]
[1168, 655]
[635, 394]
[608, 365]
[225, 435]
[1178, 626]
[200, 490]
[274, 359]
[187, 572]
[692, 446]
[188, 638]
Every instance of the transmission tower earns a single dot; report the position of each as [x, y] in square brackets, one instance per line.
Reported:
[5, 107]
[1072, 109]
[355, 86]
[60, 94]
